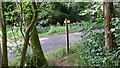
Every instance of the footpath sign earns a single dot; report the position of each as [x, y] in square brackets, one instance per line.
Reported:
[67, 33]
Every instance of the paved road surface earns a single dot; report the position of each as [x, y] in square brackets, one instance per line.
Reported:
[54, 42]
[57, 41]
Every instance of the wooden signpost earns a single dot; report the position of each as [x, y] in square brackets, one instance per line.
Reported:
[67, 37]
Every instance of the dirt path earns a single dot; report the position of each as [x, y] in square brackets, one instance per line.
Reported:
[59, 62]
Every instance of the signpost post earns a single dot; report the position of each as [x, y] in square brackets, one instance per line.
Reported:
[67, 37]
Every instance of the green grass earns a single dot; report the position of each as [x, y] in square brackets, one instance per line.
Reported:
[73, 57]
[55, 29]
[75, 26]
[46, 31]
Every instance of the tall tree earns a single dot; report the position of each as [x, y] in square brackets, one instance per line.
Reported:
[0, 30]
[4, 40]
[35, 43]
[31, 33]
[108, 15]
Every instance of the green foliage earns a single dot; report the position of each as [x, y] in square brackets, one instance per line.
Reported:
[116, 29]
[87, 26]
[11, 13]
[95, 53]
[117, 9]
[14, 62]
[93, 50]
[11, 31]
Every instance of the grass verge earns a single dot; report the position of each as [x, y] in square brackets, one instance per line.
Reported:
[73, 58]
[46, 31]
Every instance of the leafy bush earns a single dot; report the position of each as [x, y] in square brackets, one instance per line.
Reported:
[116, 29]
[93, 50]
[95, 53]
[87, 26]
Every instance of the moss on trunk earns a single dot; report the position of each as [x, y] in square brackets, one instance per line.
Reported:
[37, 50]
[4, 40]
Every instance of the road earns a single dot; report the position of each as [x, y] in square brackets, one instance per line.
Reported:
[53, 42]
[57, 41]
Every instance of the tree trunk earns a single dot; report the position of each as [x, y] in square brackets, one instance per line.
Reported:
[4, 40]
[108, 14]
[0, 31]
[36, 47]
[37, 50]
[34, 41]
[112, 10]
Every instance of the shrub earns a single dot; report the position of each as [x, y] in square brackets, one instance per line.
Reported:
[95, 53]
